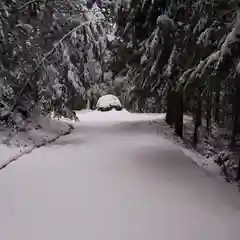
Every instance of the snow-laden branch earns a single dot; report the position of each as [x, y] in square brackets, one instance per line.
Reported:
[232, 38]
[26, 4]
[23, 6]
[197, 72]
[44, 59]
[59, 43]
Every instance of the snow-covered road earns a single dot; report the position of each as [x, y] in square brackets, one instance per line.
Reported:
[114, 181]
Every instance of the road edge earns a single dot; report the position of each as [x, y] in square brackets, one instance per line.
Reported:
[39, 145]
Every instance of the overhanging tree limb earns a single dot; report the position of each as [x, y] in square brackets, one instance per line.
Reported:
[43, 60]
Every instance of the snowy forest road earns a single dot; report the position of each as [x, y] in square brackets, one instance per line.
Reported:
[114, 181]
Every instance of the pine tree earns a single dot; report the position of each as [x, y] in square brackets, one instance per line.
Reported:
[55, 51]
[184, 54]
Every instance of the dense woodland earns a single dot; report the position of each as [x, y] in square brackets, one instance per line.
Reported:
[181, 57]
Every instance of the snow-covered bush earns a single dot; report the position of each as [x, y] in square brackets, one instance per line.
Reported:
[108, 102]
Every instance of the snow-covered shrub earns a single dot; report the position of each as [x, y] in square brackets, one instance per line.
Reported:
[108, 102]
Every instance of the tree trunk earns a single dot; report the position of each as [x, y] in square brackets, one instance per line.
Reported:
[209, 112]
[88, 104]
[235, 113]
[217, 103]
[234, 121]
[91, 104]
[170, 107]
[178, 116]
[198, 120]
[102, 69]
[238, 171]
[140, 104]
[137, 105]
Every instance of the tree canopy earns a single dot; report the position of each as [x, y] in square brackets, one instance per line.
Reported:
[174, 56]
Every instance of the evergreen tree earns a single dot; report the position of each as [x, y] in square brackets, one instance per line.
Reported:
[184, 54]
[50, 52]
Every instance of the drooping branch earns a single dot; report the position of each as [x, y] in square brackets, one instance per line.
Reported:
[26, 4]
[22, 7]
[43, 60]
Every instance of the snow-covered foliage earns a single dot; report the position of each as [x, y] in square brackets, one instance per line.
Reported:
[185, 55]
[50, 52]
[174, 56]
[170, 39]
[108, 101]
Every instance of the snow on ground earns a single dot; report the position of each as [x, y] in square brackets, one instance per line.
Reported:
[15, 143]
[113, 117]
[114, 181]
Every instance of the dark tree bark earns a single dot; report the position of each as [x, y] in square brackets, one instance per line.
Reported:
[91, 104]
[170, 108]
[235, 112]
[217, 103]
[235, 117]
[178, 116]
[198, 120]
[209, 110]
[238, 171]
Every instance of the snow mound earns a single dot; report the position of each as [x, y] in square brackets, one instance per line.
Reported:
[114, 116]
[108, 101]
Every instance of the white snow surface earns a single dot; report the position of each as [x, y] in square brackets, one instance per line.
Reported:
[111, 37]
[112, 117]
[112, 181]
[14, 144]
[108, 101]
